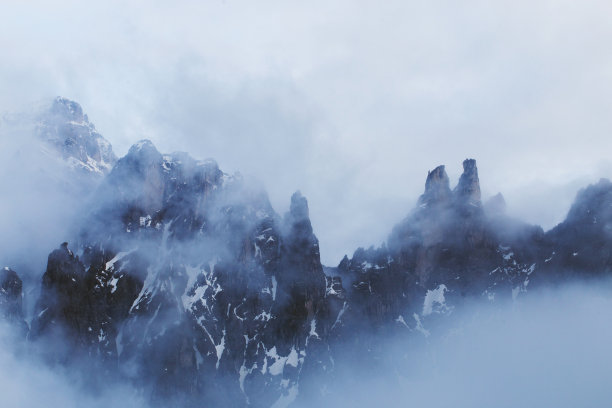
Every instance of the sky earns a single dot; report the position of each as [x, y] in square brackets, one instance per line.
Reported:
[351, 102]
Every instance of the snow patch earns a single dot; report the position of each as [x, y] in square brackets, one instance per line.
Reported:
[111, 264]
[338, 319]
[220, 348]
[419, 326]
[400, 319]
[313, 329]
[276, 368]
[263, 316]
[113, 284]
[435, 299]
[274, 284]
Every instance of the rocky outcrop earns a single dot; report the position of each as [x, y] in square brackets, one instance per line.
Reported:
[437, 190]
[447, 246]
[11, 302]
[468, 188]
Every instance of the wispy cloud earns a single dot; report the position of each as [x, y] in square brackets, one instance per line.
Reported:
[351, 102]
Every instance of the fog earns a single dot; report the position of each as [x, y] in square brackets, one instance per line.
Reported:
[27, 382]
[41, 198]
[350, 102]
[547, 349]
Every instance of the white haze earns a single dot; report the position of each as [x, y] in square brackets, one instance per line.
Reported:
[349, 101]
[41, 199]
[27, 382]
[548, 349]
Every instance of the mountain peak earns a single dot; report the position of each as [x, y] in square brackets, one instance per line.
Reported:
[67, 129]
[297, 220]
[142, 145]
[68, 109]
[299, 206]
[437, 188]
[468, 188]
[144, 152]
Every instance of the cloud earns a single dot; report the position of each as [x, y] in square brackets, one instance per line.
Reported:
[29, 383]
[550, 348]
[350, 102]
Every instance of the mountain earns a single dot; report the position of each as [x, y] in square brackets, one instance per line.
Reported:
[53, 159]
[192, 266]
[65, 128]
[58, 131]
[183, 281]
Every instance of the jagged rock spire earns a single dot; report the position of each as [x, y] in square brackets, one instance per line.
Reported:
[297, 219]
[299, 235]
[299, 207]
[468, 188]
[437, 188]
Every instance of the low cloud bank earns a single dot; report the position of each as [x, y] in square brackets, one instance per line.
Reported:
[548, 349]
[27, 382]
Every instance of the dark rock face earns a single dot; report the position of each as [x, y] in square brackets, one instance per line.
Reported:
[434, 239]
[189, 284]
[185, 281]
[450, 248]
[77, 308]
[11, 304]
[468, 189]
[582, 244]
[437, 190]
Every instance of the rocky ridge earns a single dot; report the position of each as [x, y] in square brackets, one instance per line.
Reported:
[184, 281]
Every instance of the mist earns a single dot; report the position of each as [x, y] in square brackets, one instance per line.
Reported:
[549, 348]
[170, 279]
[42, 199]
[353, 101]
[27, 381]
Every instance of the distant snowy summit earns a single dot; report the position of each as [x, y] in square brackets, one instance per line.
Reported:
[54, 159]
[68, 130]
[55, 135]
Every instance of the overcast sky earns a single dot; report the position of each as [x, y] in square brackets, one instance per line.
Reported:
[349, 101]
